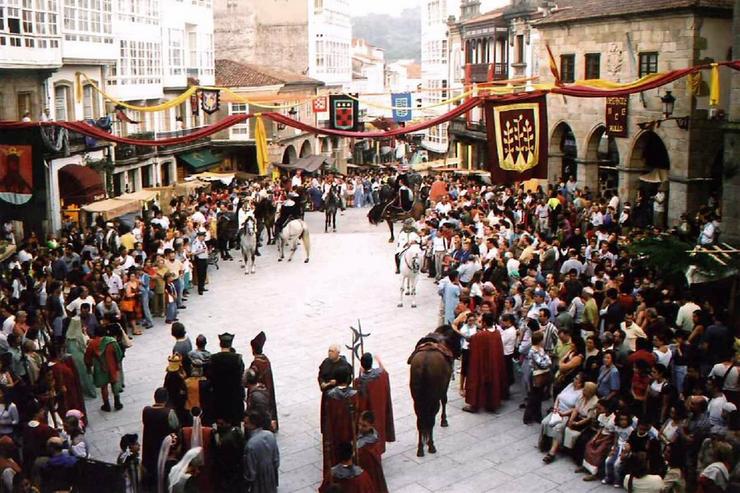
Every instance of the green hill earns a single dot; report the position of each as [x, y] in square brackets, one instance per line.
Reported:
[400, 36]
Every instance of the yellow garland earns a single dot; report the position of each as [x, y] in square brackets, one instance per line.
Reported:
[260, 139]
[607, 84]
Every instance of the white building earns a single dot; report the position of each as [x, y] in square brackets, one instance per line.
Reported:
[368, 78]
[330, 42]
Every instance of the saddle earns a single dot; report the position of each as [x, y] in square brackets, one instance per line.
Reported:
[430, 343]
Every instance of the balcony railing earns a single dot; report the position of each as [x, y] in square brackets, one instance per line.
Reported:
[486, 72]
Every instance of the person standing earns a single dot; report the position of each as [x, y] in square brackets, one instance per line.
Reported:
[374, 388]
[449, 290]
[338, 415]
[487, 380]
[158, 422]
[369, 453]
[225, 372]
[200, 254]
[261, 455]
[330, 366]
[130, 462]
[263, 371]
[103, 358]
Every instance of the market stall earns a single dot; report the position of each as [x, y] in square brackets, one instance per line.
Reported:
[110, 209]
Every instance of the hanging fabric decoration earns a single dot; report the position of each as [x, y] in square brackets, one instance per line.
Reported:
[553, 66]
[714, 85]
[517, 138]
[210, 100]
[399, 101]
[260, 139]
[194, 106]
[343, 112]
[320, 105]
[123, 117]
[78, 88]
[16, 173]
[693, 84]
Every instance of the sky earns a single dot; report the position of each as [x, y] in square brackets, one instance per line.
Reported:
[392, 7]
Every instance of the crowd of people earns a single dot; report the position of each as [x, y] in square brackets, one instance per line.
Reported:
[539, 286]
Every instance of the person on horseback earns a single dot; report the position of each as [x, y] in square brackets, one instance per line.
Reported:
[291, 209]
[404, 200]
[407, 237]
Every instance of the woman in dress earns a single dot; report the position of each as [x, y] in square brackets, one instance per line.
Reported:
[539, 363]
[130, 304]
[76, 344]
[553, 426]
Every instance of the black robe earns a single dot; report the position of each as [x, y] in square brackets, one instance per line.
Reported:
[225, 374]
[328, 368]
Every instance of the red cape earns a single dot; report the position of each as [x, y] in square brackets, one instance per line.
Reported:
[67, 376]
[487, 378]
[375, 395]
[337, 425]
[205, 478]
[359, 484]
[263, 369]
[369, 458]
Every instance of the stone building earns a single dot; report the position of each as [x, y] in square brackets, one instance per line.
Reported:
[731, 187]
[622, 41]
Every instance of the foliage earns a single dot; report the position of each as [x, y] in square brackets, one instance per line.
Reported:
[106, 166]
[670, 258]
[399, 36]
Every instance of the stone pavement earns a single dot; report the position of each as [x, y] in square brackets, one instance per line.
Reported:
[303, 308]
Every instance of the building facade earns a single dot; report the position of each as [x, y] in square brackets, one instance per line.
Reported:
[731, 186]
[622, 42]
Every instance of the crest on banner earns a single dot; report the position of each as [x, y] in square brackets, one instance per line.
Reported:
[401, 103]
[16, 174]
[343, 112]
[210, 100]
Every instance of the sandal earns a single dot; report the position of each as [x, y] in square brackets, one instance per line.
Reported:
[547, 459]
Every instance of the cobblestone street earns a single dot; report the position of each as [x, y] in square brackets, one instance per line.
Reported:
[303, 308]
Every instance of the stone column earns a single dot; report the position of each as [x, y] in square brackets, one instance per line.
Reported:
[554, 166]
[629, 183]
[731, 186]
[588, 174]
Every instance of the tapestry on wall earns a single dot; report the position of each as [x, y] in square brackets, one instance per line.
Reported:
[210, 100]
[401, 102]
[343, 112]
[16, 173]
[517, 138]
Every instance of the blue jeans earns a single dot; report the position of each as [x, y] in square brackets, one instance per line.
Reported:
[679, 376]
[179, 287]
[171, 311]
[613, 469]
[145, 296]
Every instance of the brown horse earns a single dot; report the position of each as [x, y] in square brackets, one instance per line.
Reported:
[390, 214]
[431, 371]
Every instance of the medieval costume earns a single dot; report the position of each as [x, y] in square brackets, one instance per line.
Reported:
[202, 437]
[350, 479]
[407, 237]
[374, 391]
[129, 461]
[487, 379]
[329, 367]
[174, 382]
[228, 448]
[258, 399]
[369, 451]
[181, 478]
[339, 411]
[199, 392]
[76, 343]
[158, 422]
[225, 374]
[67, 387]
[289, 210]
[263, 371]
[103, 356]
[261, 462]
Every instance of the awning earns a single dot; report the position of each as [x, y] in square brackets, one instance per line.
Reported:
[80, 184]
[112, 208]
[657, 175]
[145, 195]
[309, 163]
[201, 160]
[225, 178]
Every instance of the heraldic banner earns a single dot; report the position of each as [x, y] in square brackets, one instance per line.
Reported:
[16, 174]
[343, 112]
[401, 102]
[517, 138]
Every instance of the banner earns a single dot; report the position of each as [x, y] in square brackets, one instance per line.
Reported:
[210, 100]
[320, 105]
[517, 139]
[343, 112]
[616, 115]
[399, 101]
[16, 173]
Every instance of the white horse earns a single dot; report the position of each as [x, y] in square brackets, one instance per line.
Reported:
[295, 230]
[410, 266]
[248, 243]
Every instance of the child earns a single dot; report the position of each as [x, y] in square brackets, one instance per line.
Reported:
[129, 459]
[613, 472]
[170, 294]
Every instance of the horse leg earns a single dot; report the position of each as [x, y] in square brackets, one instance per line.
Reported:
[390, 227]
[413, 291]
[444, 423]
[281, 249]
[430, 441]
[253, 258]
[334, 221]
[400, 301]
[293, 248]
[420, 447]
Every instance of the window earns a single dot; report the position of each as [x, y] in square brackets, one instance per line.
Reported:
[519, 47]
[593, 65]
[648, 63]
[25, 104]
[176, 51]
[192, 49]
[567, 68]
[240, 131]
[89, 101]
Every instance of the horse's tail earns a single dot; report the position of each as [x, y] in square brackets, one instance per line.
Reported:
[375, 215]
[306, 237]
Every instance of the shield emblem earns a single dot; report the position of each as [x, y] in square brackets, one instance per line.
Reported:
[517, 126]
[344, 115]
[210, 100]
[319, 105]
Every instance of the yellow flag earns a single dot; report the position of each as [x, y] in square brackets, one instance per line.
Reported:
[78, 88]
[260, 138]
[714, 85]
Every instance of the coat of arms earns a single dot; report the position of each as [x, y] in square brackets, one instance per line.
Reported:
[517, 126]
[210, 100]
[320, 105]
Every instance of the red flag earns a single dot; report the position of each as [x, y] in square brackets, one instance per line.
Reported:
[553, 66]
[320, 105]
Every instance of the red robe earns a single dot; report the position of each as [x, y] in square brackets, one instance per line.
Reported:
[338, 418]
[369, 458]
[374, 390]
[205, 478]
[67, 377]
[362, 483]
[487, 379]
[263, 370]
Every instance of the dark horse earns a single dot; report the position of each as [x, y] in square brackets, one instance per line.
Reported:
[331, 204]
[389, 212]
[431, 370]
[265, 211]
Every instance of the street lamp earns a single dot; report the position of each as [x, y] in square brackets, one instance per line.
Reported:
[669, 102]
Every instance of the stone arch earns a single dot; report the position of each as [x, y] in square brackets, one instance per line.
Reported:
[563, 152]
[602, 160]
[649, 155]
[289, 155]
[306, 149]
[325, 145]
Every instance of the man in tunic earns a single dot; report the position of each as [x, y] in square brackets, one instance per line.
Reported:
[329, 367]
[103, 358]
[261, 455]
[225, 374]
[338, 416]
[487, 379]
[228, 448]
[349, 477]
[374, 388]
[258, 398]
[369, 451]
[263, 371]
[158, 422]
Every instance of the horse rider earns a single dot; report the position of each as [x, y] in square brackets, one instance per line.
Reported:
[404, 200]
[246, 212]
[290, 209]
[407, 237]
